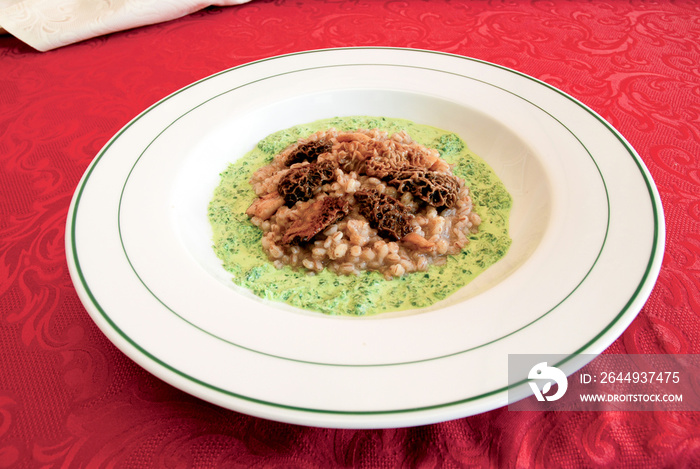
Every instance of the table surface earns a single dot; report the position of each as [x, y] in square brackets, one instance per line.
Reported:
[69, 398]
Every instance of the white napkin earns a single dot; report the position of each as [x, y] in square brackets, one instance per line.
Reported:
[48, 24]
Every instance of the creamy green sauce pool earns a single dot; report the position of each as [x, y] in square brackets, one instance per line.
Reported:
[237, 242]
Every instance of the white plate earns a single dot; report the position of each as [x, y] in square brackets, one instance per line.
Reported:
[586, 224]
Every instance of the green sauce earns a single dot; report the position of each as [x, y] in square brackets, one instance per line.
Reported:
[237, 240]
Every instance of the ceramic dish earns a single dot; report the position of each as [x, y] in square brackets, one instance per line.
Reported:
[586, 224]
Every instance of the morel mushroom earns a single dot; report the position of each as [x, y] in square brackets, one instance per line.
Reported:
[316, 218]
[437, 189]
[388, 216]
[301, 183]
[309, 151]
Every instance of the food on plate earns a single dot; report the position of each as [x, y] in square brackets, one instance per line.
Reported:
[345, 201]
[359, 215]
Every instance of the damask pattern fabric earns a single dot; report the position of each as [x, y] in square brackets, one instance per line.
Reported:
[69, 398]
[48, 24]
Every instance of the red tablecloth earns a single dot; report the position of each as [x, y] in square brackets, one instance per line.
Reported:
[69, 398]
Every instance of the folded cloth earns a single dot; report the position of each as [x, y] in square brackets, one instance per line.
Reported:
[48, 24]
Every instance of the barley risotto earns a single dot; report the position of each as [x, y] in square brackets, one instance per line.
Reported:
[359, 215]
